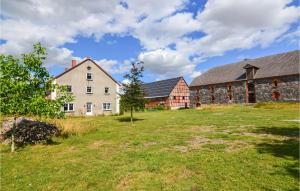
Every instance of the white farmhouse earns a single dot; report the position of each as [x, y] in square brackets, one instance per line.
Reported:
[94, 90]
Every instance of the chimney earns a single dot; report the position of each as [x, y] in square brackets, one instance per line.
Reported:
[74, 63]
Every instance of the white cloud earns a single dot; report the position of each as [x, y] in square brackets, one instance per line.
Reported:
[227, 25]
[166, 63]
[113, 66]
[161, 34]
[231, 24]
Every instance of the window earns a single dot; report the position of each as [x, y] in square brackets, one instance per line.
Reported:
[69, 89]
[212, 99]
[183, 97]
[229, 87]
[174, 97]
[88, 68]
[276, 95]
[106, 90]
[106, 106]
[89, 76]
[212, 89]
[68, 107]
[275, 83]
[89, 90]
[89, 107]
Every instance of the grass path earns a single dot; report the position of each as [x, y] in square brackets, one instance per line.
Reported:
[216, 148]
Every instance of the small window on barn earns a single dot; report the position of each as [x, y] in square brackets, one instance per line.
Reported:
[230, 97]
[276, 95]
[174, 97]
[212, 89]
[275, 83]
[183, 97]
[212, 99]
[229, 87]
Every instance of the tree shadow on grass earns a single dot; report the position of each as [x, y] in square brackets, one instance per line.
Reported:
[127, 119]
[281, 131]
[287, 148]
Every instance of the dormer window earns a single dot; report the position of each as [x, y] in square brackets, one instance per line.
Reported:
[250, 71]
[89, 76]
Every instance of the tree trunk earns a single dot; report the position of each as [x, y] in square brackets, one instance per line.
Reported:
[131, 116]
[13, 135]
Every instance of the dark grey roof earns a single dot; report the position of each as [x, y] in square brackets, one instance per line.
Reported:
[161, 88]
[274, 65]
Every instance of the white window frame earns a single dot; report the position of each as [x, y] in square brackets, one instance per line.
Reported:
[91, 111]
[68, 106]
[104, 106]
[87, 74]
[88, 91]
[107, 90]
[68, 89]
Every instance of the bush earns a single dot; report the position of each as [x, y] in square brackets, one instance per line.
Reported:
[27, 131]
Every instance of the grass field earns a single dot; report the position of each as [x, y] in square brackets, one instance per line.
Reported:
[214, 148]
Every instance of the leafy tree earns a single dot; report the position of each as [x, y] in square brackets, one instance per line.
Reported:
[132, 97]
[24, 84]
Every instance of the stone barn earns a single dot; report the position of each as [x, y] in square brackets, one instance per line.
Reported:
[171, 93]
[269, 78]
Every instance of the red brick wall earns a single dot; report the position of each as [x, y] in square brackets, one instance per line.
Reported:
[155, 102]
[182, 97]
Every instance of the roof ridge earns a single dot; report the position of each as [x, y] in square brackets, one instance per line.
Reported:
[94, 62]
[284, 63]
[249, 60]
[163, 80]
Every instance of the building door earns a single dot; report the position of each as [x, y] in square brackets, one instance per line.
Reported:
[89, 108]
[251, 91]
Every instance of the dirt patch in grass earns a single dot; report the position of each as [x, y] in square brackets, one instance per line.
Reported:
[175, 175]
[198, 141]
[98, 143]
[235, 146]
[150, 143]
[230, 145]
[182, 149]
[203, 129]
[132, 180]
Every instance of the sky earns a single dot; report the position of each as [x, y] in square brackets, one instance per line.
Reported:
[172, 37]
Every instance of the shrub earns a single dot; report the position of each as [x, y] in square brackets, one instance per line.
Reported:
[28, 131]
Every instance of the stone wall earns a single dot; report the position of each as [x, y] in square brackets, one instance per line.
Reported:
[239, 92]
[287, 88]
[221, 93]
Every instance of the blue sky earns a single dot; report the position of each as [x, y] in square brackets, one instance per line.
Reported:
[173, 38]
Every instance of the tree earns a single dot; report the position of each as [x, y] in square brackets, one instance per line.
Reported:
[24, 84]
[132, 97]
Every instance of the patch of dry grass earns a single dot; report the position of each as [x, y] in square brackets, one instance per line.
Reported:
[274, 105]
[74, 126]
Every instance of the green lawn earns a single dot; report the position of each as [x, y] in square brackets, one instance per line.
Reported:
[216, 148]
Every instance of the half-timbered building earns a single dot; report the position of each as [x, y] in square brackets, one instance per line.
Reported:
[171, 93]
